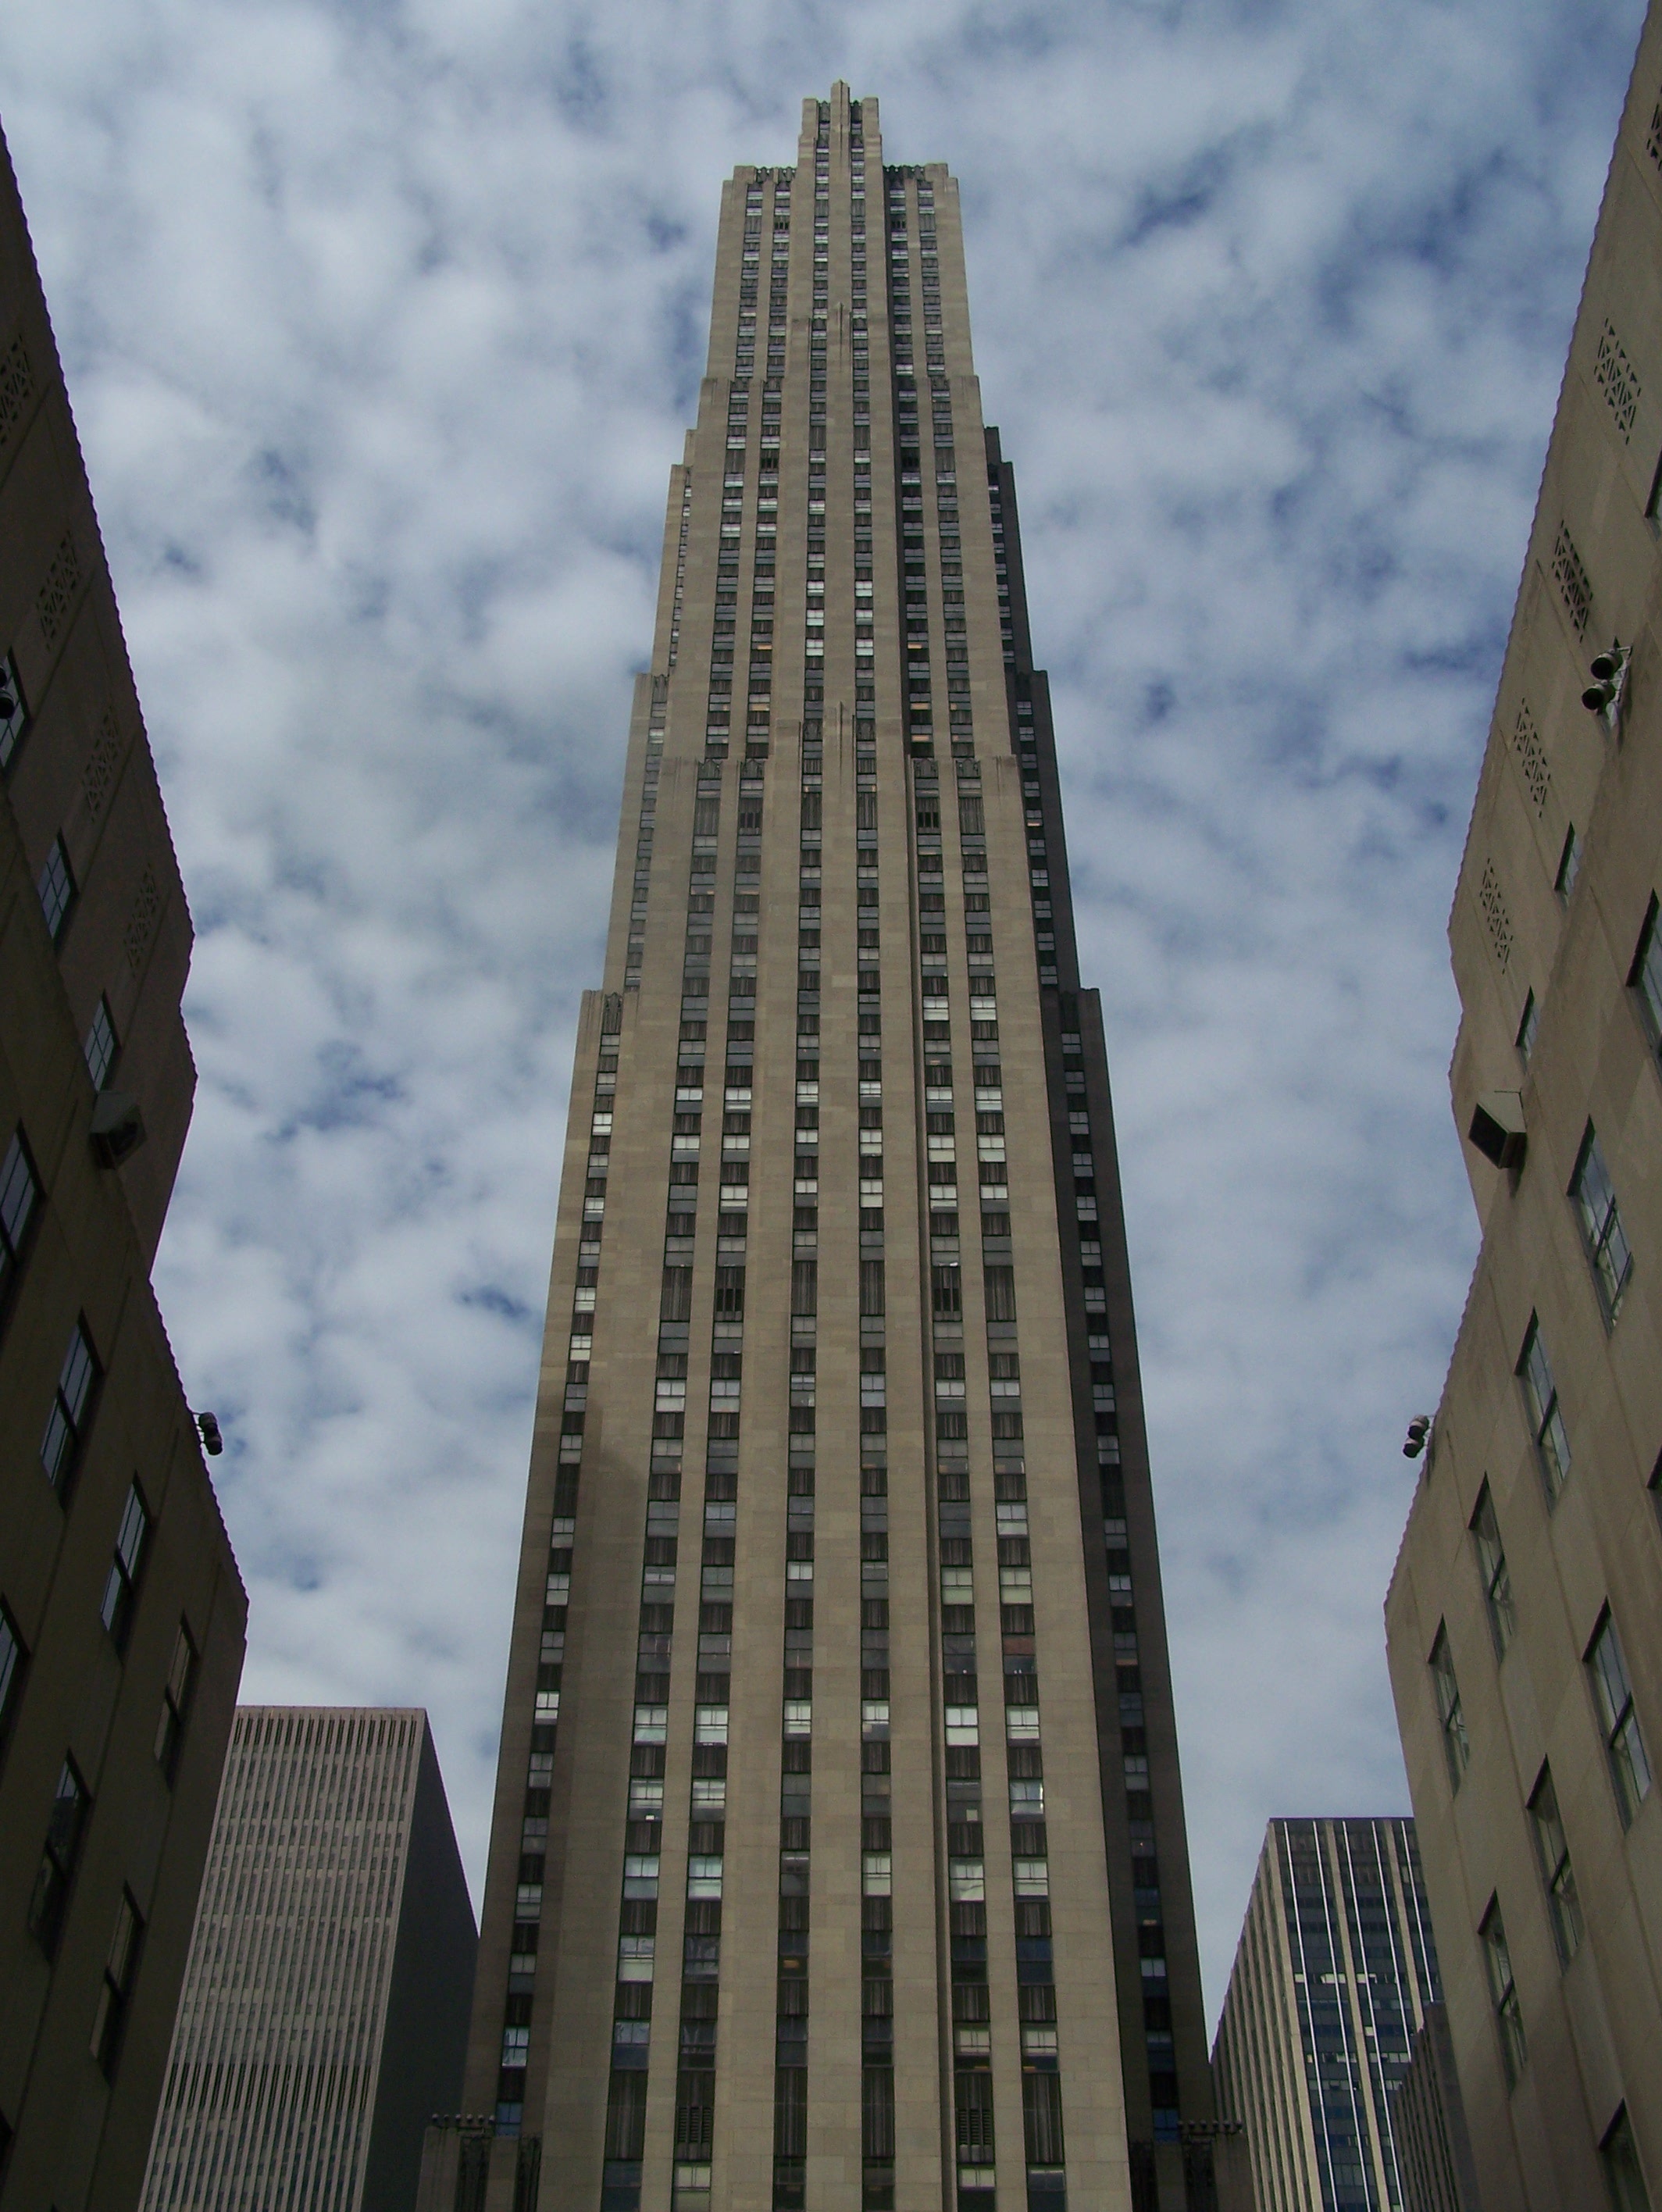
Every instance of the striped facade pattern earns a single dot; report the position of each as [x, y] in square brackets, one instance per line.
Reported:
[271, 2083]
[1333, 1978]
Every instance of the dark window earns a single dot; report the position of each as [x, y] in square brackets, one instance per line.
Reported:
[1493, 1571]
[1001, 1294]
[13, 713]
[14, 1666]
[1552, 1851]
[1529, 1022]
[1545, 1421]
[1041, 2111]
[20, 1197]
[71, 1409]
[57, 889]
[1645, 976]
[1601, 1225]
[1503, 1993]
[1457, 1749]
[101, 1046]
[121, 1971]
[1618, 2156]
[1630, 1768]
[176, 1702]
[64, 1830]
[121, 1589]
[1569, 864]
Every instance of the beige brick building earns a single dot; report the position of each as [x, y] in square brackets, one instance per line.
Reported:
[1524, 1615]
[838, 1856]
[121, 1612]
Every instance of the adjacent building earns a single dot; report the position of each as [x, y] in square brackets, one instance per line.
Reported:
[324, 2012]
[1334, 1975]
[1434, 2150]
[839, 1855]
[1524, 1613]
[121, 1612]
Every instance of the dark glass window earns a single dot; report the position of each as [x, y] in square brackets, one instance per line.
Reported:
[176, 1702]
[101, 1046]
[1601, 1225]
[14, 1666]
[57, 889]
[1541, 1396]
[71, 1409]
[14, 712]
[1630, 1768]
[1457, 1749]
[1493, 1570]
[1552, 1851]
[121, 1589]
[121, 1971]
[1503, 1993]
[20, 1198]
[64, 1830]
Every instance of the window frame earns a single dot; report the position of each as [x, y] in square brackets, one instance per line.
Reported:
[1625, 1754]
[1528, 1028]
[1552, 1856]
[15, 1244]
[1503, 1993]
[115, 1995]
[14, 727]
[60, 1859]
[57, 863]
[1546, 1417]
[69, 1424]
[121, 1586]
[1569, 865]
[102, 1077]
[1645, 975]
[14, 1673]
[1493, 1576]
[1451, 1713]
[1599, 1215]
[177, 1694]
[1619, 2163]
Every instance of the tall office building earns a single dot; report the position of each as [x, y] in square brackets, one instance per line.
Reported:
[1524, 1613]
[324, 2010]
[121, 1612]
[838, 1853]
[1334, 1975]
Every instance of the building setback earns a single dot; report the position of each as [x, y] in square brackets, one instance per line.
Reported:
[324, 2010]
[838, 1858]
[121, 1612]
[1525, 1614]
[1333, 1976]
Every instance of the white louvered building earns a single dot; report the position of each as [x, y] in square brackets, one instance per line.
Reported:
[326, 2004]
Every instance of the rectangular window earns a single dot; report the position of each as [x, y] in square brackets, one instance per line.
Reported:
[1529, 1022]
[1552, 1851]
[1601, 1225]
[1618, 2158]
[1645, 976]
[64, 1830]
[71, 1409]
[1569, 864]
[14, 1665]
[1492, 1570]
[1502, 1993]
[121, 1589]
[121, 1971]
[57, 889]
[1456, 1748]
[1630, 1770]
[13, 713]
[20, 1197]
[1541, 1397]
[101, 1047]
[176, 1702]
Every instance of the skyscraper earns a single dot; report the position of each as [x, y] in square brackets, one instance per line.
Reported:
[325, 2008]
[1333, 1978]
[1524, 1619]
[121, 1609]
[839, 1854]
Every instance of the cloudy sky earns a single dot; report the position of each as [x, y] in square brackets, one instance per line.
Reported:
[382, 323]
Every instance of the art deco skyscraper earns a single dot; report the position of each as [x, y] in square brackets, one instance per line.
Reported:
[838, 1852]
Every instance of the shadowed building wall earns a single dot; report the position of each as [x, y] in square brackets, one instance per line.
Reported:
[121, 1611]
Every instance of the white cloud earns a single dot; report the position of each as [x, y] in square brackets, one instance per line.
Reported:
[383, 325]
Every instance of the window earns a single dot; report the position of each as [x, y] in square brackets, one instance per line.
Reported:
[1456, 1748]
[101, 1046]
[1569, 864]
[57, 889]
[65, 1829]
[1645, 976]
[71, 1406]
[1528, 1024]
[121, 1590]
[1601, 1225]
[176, 1702]
[1552, 1851]
[1630, 1770]
[1618, 2159]
[13, 713]
[14, 1665]
[20, 1195]
[121, 1971]
[1492, 1568]
[1502, 1991]
[1541, 1396]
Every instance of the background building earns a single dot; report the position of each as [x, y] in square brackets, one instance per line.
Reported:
[121, 1611]
[324, 2011]
[1524, 1615]
[838, 1853]
[1434, 2150]
[1334, 1974]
